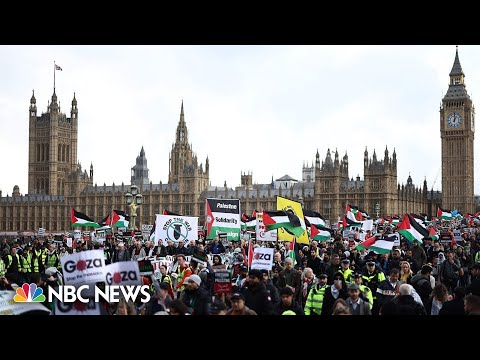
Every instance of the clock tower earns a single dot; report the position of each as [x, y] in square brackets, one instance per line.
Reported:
[457, 129]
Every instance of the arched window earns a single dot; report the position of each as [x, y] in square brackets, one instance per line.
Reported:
[59, 156]
[68, 153]
[63, 152]
[47, 150]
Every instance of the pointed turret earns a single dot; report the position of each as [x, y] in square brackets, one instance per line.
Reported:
[385, 160]
[457, 67]
[91, 170]
[374, 158]
[207, 165]
[142, 152]
[33, 104]
[182, 131]
[365, 157]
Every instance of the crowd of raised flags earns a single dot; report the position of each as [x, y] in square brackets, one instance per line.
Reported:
[218, 269]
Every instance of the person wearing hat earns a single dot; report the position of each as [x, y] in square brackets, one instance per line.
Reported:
[196, 297]
[395, 259]
[120, 253]
[336, 291]
[357, 305]
[13, 265]
[241, 277]
[365, 292]
[314, 303]
[161, 299]
[346, 271]
[257, 297]
[288, 303]
[371, 277]
[271, 288]
[218, 307]
[238, 306]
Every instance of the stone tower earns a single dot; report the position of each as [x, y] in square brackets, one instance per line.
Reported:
[140, 171]
[308, 173]
[380, 182]
[52, 153]
[457, 130]
[192, 178]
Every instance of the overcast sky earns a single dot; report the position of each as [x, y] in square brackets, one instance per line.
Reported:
[264, 109]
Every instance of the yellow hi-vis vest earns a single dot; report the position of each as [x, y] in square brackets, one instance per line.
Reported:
[314, 303]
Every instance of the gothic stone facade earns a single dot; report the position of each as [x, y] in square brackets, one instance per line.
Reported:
[56, 181]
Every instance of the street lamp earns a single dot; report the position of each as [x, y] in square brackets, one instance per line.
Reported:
[133, 199]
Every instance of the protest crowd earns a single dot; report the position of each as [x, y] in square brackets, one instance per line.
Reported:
[338, 276]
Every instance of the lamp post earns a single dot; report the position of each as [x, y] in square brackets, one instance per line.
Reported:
[133, 200]
[377, 209]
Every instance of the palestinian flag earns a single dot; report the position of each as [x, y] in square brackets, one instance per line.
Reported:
[283, 219]
[433, 234]
[320, 233]
[248, 222]
[357, 213]
[79, 219]
[105, 221]
[152, 232]
[166, 212]
[291, 252]
[250, 253]
[312, 217]
[418, 218]
[346, 223]
[412, 230]
[381, 245]
[394, 220]
[120, 219]
[444, 214]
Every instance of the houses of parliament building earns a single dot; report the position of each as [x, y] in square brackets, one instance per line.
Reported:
[57, 182]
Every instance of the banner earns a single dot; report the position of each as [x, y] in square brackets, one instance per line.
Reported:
[296, 207]
[77, 308]
[223, 215]
[156, 266]
[85, 267]
[261, 233]
[223, 282]
[10, 307]
[122, 273]
[262, 258]
[145, 267]
[176, 228]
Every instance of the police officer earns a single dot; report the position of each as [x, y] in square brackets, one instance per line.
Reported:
[13, 265]
[314, 303]
[365, 292]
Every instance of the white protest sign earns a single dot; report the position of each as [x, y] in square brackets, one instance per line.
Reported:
[396, 242]
[262, 258]
[261, 232]
[367, 225]
[77, 308]
[69, 242]
[122, 273]
[10, 307]
[84, 267]
[457, 235]
[156, 267]
[77, 234]
[176, 228]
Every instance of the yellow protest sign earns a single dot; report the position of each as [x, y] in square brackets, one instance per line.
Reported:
[296, 207]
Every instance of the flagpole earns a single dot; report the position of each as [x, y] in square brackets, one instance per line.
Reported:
[54, 68]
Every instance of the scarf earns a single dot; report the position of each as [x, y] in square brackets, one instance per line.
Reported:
[305, 287]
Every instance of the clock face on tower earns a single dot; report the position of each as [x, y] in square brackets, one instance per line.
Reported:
[454, 120]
